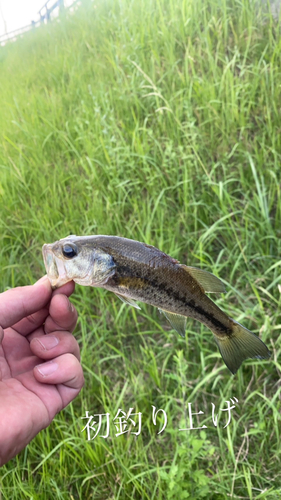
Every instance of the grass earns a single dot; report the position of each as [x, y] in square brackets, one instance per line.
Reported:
[157, 120]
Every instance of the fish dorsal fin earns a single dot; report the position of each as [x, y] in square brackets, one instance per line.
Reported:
[129, 302]
[209, 282]
[177, 321]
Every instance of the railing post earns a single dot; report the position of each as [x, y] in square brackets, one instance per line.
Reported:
[41, 16]
[61, 5]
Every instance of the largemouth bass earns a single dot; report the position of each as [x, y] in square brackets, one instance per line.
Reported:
[136, 271]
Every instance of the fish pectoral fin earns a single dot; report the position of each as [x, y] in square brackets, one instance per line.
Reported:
[128, 301]
[209, 282]
[242, 344]
[177, 321]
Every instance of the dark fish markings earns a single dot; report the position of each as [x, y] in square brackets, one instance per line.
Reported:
[124, 278]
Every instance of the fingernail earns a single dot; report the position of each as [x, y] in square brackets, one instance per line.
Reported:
[47, 368]
[48, 342]
[71, 307]
[43, 281]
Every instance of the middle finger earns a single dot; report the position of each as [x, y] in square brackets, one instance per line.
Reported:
[55, 344]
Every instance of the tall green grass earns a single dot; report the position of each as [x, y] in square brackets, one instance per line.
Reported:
[157, 120]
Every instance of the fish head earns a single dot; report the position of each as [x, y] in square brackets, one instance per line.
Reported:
[78, 259]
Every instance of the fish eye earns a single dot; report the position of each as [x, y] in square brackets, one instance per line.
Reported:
[69, 251]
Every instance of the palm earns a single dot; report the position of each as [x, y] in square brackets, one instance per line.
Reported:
[29, 398]
[23, 395]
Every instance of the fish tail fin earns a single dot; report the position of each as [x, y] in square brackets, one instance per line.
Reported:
[242, 344]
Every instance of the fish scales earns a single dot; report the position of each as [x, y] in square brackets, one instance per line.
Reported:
[137, 271]
[170, 290]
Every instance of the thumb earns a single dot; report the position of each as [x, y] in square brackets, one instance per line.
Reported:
[1, 334]
[17, 303]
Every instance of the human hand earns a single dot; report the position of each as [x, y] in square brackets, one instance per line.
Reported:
[40, 372]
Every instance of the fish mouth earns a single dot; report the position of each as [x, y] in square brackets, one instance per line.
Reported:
[55, 267]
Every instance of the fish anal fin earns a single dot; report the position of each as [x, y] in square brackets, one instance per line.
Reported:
[177, 321]
[241, 345]
[209, 282]
[127, 300]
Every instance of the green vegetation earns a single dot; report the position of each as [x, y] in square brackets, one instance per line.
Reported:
[157, 120]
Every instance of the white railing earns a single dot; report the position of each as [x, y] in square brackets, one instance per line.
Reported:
[44, 17]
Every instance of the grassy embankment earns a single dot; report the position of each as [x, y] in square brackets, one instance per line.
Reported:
[158, 121]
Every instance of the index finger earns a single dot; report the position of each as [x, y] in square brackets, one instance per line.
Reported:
[30, 323]
[62, 315]
[20, 302]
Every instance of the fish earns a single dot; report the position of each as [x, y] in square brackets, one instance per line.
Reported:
[136, 271]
